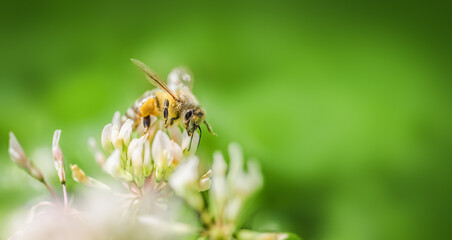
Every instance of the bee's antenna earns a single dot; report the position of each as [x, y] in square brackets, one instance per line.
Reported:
[189, 145]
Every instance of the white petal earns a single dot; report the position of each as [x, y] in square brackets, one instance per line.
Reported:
[247, 184]
[113, 163]
[254, 171]
[116, 119]
[248, 235]
[126, 132]
[132, 146]
[158, 223]
[236, 162]
[161, 144]
[186, 142]
[185, 139]
[106, 138]
[177, 154]
[219, 190]
[184, 176]
[117, 142]
[175, 133]
[205, 181]
[219, 165]
[137, 152]
[147, 161]
[233, 208]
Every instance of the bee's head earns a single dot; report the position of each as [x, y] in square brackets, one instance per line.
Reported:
[192, 118]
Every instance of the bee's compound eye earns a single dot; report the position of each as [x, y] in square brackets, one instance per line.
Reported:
[188, 114]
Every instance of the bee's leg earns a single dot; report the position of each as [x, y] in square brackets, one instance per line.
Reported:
[165, 112]
[146, 122]
[208, 128]
[146, 110]
[172, 120]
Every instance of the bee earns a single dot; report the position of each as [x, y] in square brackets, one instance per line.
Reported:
[175, 102]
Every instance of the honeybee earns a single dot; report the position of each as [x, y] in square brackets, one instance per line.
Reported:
[174, 102]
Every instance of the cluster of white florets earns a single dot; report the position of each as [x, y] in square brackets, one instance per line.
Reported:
[156, 167]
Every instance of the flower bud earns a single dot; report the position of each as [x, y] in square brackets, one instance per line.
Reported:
[79, 176]
[18, 156]
[17, 153]
[58, 156]
[205, 181]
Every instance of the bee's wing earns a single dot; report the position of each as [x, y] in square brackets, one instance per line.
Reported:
[180, 77]
[153, 78]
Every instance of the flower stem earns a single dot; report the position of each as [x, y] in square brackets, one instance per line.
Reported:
[64, 194]
[51, 191]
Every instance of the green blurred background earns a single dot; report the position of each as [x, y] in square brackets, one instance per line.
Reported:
[346, 104]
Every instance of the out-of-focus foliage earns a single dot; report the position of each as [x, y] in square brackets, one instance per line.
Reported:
[347, 105]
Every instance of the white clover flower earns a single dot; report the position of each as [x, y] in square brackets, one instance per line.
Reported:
[186, 182]
[240, 182]
[161, 153]
[135, 154]
[114, 168]
[166, 154]
[115, 135]
[231, 190]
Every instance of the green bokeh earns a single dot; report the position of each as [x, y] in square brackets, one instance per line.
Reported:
[347, 105]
